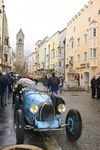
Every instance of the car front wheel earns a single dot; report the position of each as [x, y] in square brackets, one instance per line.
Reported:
[74, 125]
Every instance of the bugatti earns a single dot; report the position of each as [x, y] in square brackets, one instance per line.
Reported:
[40, 111]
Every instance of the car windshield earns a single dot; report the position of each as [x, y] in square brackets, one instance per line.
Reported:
[25, 82]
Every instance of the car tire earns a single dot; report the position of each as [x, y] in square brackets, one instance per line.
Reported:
[14, 97]
[16, 107]
[74, 125]
[19, 127]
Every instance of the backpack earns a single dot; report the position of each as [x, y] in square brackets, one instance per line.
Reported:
[54, 82]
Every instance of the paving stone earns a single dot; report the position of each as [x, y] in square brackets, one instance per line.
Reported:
[90, 112]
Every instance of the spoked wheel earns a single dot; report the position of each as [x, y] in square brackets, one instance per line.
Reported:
[19, 127]
[74, 125]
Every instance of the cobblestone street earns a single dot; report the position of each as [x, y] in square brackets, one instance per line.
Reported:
[90, 112]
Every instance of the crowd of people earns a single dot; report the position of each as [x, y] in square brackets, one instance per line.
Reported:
[53, 84]
[6, 83]
[95, 87]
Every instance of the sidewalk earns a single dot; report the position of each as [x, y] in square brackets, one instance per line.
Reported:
[65, 88]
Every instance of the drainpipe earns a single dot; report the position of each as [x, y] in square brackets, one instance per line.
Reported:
[64, 42]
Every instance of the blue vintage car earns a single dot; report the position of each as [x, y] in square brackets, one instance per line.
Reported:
[40, 111]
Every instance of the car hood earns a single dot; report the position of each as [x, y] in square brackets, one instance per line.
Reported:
[36, 97]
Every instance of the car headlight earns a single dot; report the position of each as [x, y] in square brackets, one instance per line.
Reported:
[61, 108]
[34, 108]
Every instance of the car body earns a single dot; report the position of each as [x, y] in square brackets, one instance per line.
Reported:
[41, 111]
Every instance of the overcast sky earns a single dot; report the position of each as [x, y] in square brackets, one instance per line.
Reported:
[39, 18]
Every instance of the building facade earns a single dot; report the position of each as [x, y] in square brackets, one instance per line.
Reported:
[30, 63]
[83, 45]
[48, 55]
[42, 56]
[5, 49]
[61, 53]
[1, 24]
[37, 64]
[54, 44]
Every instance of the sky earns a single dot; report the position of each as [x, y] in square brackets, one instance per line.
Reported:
[38, 18]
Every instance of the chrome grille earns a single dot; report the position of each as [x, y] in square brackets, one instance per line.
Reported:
[46, 112]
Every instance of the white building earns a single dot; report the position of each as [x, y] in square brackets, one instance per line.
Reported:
[61, 53]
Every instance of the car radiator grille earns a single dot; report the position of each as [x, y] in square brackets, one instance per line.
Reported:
[47, 112]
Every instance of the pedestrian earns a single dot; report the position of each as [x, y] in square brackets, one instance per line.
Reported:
[36, 81]
[0, 89]
[93, 86]
[61, 84]
[10, 83]
[3, 89]
[98, 87]
[53, 83]
[45, 83]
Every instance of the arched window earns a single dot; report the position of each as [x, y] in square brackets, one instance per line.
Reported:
[20, 40]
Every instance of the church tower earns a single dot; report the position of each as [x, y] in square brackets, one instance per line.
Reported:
[20, 51]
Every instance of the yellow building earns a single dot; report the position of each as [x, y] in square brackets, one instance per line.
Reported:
[54, 43]
[83, 45]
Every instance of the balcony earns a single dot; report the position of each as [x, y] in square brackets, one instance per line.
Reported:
[93, 62]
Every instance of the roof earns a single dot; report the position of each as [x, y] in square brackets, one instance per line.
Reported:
[20, 31]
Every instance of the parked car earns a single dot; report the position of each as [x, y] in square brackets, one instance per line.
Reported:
[41, 111]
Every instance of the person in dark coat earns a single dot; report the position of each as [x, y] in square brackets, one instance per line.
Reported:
[3, 89]
[54, 82]
[93, 86]
[98, 87]
[36, 81]
[61, 84]
[10, 83]
[45, 83]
